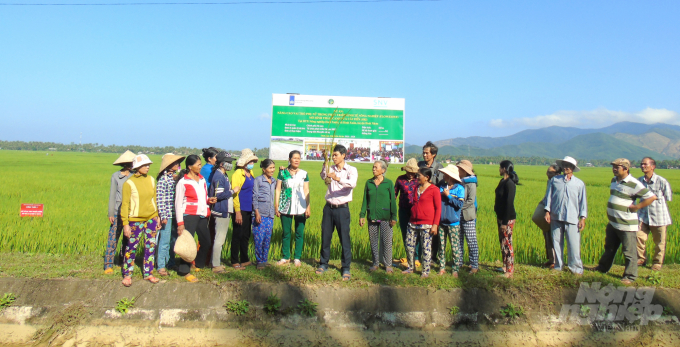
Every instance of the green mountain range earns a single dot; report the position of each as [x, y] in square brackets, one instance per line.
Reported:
[621, 140]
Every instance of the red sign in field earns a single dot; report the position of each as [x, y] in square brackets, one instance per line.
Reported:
[31, 210]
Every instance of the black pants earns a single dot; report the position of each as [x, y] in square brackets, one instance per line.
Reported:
[614, 239]
[196, 225]
[340, 219]
[240, 238]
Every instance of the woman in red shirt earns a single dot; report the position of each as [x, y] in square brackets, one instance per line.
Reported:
[424, 222]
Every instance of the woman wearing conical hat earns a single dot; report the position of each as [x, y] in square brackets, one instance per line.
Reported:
[165, 194]
[115, 198]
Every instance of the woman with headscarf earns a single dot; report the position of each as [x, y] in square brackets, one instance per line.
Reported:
[140, 217]
[292, 205]
[243, 209]
[505, 214]
[381, 205]
[192, 211]
[468, 216]
[115, 199]
[220, 188]
[165, 191]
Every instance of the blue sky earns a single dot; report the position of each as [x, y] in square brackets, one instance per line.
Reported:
[203, 75]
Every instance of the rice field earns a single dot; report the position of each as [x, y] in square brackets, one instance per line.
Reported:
[74, 188]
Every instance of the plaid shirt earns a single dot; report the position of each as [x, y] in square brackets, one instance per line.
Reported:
[657, 213]
[165, 195]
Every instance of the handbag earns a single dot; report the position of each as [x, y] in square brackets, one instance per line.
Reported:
[185, 246]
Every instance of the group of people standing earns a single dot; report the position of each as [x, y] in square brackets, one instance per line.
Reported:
[201, 199]
[636, 207]
[435, 204]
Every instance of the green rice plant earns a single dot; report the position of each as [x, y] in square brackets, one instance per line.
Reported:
[75, 189]
[512, 311]
[454, 310]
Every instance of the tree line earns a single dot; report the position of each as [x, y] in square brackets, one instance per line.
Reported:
[100, 148]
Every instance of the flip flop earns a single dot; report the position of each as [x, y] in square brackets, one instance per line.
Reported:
[424, 275]
[128, 283]
[238, 267]
[320, 271]
[108, 271]
[191, 278]
[346, 277]
[389, 270]
[151, 279]
[297, 262]
[373, 268]
[163, 272]
[407, 271]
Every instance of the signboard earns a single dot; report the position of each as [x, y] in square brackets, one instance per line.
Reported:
[370, 128]
[31, 210]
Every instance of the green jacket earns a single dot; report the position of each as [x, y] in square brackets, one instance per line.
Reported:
[379, 201]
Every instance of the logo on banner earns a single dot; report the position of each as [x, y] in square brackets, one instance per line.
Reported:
[291, 102]
[331, 101]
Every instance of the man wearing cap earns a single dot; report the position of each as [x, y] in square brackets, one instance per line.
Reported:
[115, 199]
[655, 217]
[623, 220]
[343, 179]
[566, 210]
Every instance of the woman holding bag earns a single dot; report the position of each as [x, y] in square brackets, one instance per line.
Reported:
[192, 211]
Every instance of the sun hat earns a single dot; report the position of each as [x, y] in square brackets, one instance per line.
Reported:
[169, 159]
[185, 246]
[411, 166]
[622, 162]
[246, 157]
[466, 166]
[569, 160]
[452, 171]
[140, 160]
[125, 158]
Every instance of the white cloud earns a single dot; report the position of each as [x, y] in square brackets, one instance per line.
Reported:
[597, 118]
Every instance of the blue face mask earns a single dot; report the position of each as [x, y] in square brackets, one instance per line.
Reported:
[249, 167]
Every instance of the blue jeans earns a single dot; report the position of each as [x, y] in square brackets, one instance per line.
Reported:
[166, 245]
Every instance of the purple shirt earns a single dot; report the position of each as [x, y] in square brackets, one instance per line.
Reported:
[341, 192]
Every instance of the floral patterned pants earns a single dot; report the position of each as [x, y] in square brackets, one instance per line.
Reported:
[453, 231]
[262, 235]
[506, 245]
[426, 239]
[147, 228]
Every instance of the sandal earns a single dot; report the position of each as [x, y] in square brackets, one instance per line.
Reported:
[219, 269]
[245, 264]
[407, 271]
[473, 271]
[108, 271]
[297, 262]
[424, 275]
[191, 278]
[163, 272]
[346, 277]
[151, 279]
[373, 268]
[284, 262]
[442, 272]
[127, 281]
[320, 271]
[238, 267]
[389, 270]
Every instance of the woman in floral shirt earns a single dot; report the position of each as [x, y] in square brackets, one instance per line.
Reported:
[292, 205]
[404, 187]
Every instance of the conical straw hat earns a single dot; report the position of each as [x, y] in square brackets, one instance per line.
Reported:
[125, 158]
[168, 159]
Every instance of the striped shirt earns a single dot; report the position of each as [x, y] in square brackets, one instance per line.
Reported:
[657, 214]
[623, 194]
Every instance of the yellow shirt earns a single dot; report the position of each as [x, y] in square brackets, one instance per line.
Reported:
[139, 199]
